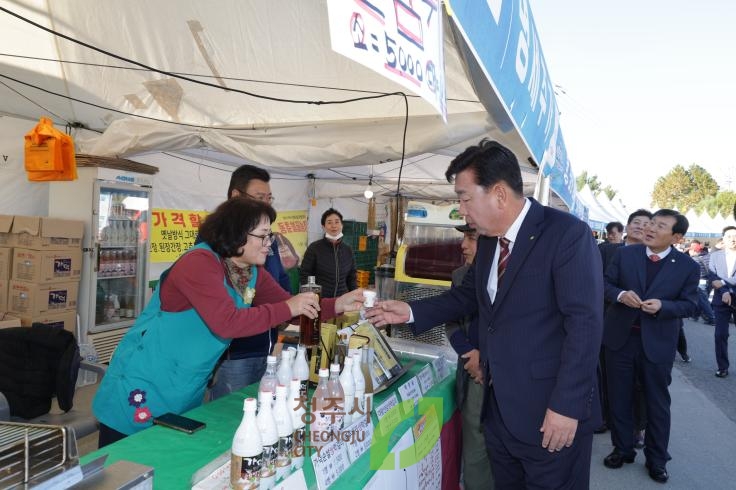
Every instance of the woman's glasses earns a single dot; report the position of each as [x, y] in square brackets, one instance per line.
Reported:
[266, 240]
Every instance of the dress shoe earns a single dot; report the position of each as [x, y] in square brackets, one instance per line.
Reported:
[600, 430]
[617, 460]
[658, 473]
[722, 373]
[686, 358]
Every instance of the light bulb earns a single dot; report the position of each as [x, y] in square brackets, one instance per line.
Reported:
[368, 193]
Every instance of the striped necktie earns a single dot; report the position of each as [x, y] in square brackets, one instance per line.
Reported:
[503, 257]
[654, 258]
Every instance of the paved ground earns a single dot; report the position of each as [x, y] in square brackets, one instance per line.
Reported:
[703, 436]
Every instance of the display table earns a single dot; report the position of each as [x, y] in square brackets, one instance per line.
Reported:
[176, 456]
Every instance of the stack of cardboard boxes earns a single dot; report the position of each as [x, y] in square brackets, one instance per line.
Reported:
[40, 269]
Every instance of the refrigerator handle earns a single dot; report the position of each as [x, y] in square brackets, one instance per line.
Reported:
[94, 255]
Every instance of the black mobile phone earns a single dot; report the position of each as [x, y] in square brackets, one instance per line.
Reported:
[179, 422]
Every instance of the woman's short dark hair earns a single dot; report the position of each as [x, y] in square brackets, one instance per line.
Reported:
[329, 213]
[227, 228]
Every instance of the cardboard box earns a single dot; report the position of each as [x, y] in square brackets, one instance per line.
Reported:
[6, 263]
[41, 233]
[8, 320]
[6, 226]
[65, 319]
[31, 299]
[3, 295]
[46, 265]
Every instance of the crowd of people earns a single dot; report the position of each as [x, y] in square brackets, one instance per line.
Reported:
[558, 337]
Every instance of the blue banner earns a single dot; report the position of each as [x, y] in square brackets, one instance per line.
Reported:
[504, 41]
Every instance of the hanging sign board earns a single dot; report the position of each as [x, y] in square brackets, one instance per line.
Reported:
[401, 40]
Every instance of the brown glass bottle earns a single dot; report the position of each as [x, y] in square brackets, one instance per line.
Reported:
[309, 327]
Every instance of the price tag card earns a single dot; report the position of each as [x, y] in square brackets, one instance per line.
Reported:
[426, 379]
[411, 390]
[359, 436]
[441, 368]
[386, 405]
[329, 463]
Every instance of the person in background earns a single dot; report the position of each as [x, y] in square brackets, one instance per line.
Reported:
[218, 290]
[468, 390]
[244, 361]
[651, 287]
[614, 232]
[700, 254]
[537, 289]
[722, 276]
[329, 259]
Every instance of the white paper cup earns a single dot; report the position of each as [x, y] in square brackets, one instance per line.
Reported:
[370, 299]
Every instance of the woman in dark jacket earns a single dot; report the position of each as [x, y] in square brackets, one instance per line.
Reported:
[329, 259]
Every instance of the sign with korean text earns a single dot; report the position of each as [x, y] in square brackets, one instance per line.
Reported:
[399, 39]
[173, 232]
[290, 231]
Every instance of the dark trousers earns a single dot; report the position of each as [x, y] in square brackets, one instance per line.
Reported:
[623, 365]
[704, 308]
[518, 465]
[723, 314]
[682, 342]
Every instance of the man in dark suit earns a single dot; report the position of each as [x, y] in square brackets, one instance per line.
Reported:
[537, 289]
[652, 287]
[722, 274]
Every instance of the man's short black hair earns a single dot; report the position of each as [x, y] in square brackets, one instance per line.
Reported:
[614, 224]
[227, 228]
[681, 223]
[728, 228]
[492, 163]
[329, 213]
[639, 212]
[242, 176]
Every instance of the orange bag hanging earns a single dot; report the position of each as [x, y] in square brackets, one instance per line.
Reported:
[49, 153]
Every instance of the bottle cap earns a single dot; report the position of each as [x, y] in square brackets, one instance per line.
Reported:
[348, 361]
[271, 359]
[265, 396]
[323, 373]
[334, 368]
[250, 405]
[284, 354]
[280, 391]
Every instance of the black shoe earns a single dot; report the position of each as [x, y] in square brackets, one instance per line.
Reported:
[694, 319]
[657, 473]
[600, 430]
[685, 358]
[617, 460]
[709, 322]
[722, 373]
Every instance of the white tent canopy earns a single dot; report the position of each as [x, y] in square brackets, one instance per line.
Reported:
[278, 49]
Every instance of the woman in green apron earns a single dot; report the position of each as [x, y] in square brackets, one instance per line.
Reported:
[216, 291]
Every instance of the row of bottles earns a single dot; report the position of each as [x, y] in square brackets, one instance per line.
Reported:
[117, 263]
[119, 233]
[269, 442]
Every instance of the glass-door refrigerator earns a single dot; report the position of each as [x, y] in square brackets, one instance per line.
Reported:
[115, 206]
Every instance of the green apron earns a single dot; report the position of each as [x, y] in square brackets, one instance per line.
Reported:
[161, 365]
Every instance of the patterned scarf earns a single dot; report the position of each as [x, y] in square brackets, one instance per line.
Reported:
[239, 278]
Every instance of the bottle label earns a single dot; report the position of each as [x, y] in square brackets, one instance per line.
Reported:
[297, 448]
[303, 389]
[270, 451]
[285, 445]
[245, 472]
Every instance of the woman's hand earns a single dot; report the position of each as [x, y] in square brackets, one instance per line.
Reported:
[351, 301]
[304, 304]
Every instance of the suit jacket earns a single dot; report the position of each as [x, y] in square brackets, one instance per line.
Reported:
[539, 340]
[718, 270]
[676, 285]
[608, 250]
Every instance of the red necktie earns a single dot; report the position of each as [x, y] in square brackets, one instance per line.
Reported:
[654, 258]
[503, 257]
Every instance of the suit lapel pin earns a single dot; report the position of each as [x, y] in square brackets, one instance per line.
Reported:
[531, 237]
[673, 261]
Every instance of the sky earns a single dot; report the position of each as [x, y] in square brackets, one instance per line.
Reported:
[643, 86]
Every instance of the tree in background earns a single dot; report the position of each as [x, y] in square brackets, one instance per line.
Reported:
[684, 188]
[721, 203]
[595, 185]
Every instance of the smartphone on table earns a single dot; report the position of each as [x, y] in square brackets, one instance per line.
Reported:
[179, 422]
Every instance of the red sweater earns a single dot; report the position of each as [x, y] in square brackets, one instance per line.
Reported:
[196, 281]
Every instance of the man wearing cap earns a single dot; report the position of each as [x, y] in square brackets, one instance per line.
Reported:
[468, 388]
